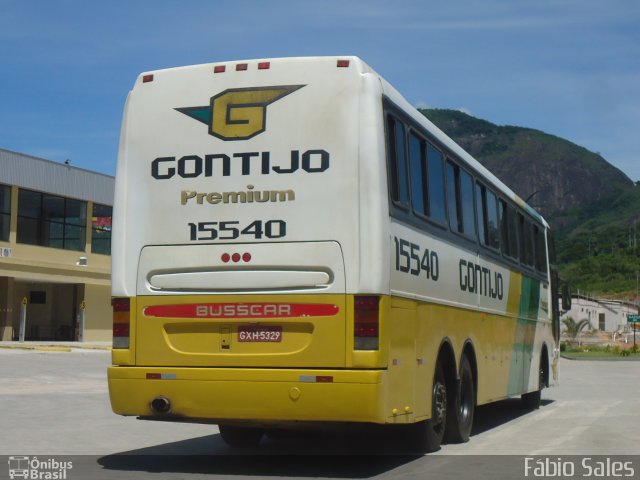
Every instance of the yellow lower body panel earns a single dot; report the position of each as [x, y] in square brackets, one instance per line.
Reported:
[254, 395]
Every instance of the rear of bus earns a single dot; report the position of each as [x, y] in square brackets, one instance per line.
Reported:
[247, 194]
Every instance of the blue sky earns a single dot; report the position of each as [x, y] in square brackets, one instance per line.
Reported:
[567, 67]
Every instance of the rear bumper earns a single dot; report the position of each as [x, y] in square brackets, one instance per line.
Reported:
[253, 395]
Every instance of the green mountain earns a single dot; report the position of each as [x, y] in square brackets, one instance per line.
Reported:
[592, 206]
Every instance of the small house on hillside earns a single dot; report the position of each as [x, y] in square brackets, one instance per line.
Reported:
[603, 314]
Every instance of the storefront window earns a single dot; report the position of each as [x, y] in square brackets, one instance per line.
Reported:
[51, 221]
[5, 212]
[101, 229]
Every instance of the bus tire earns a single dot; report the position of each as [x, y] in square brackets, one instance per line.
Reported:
[462, 405]
[531, 400]
[426, 436]
[240, 437]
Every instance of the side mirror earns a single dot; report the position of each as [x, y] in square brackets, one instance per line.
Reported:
[566, 298]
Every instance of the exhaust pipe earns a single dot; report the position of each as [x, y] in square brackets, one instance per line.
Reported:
[161, 405]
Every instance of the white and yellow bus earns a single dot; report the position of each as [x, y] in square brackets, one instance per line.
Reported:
[295, 244]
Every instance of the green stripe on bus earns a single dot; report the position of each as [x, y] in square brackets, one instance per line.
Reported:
[524, 334]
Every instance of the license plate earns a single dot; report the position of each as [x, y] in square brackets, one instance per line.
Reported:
[259, 333]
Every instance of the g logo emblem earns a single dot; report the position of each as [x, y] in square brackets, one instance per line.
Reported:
[239, 113]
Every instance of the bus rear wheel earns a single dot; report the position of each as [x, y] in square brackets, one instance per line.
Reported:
[240, 437]
[426, 436]
[461, 406]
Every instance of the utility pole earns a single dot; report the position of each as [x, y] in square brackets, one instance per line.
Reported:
[638, 311]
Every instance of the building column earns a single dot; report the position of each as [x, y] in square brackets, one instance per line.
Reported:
[6, 309]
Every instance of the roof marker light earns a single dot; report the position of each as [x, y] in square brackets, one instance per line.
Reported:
[264, 65]
[343, 63]
[219, 69]
[225, 257]
[240, 67]
[147, 78]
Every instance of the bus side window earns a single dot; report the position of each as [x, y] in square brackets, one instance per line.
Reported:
[487, 217]
[512, 226]
[509, 230]
[417, 174]
[452, 202]
[436, 196]
[460, 200]
[526, 240]
[466, 199]
[493, 235]
[541, 251]
[397, 160]
[504, 231]
[481, 201]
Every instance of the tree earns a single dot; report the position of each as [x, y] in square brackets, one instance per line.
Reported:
[573, 328]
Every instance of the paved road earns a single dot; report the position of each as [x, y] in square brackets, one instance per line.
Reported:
[56, 404]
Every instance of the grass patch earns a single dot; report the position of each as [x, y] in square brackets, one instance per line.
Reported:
[598, 356]
[599, 353]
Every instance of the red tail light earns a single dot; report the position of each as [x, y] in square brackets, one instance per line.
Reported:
[366, 322]
[121, 322]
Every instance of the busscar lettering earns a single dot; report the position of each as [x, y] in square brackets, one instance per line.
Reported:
[248, 196]
[243, 310]
[246, 163]
[475, 278]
